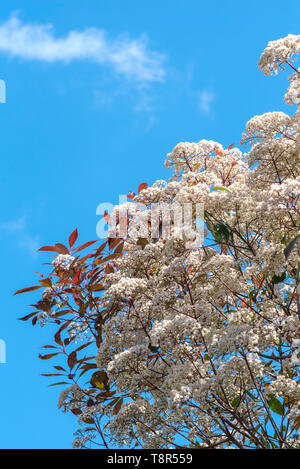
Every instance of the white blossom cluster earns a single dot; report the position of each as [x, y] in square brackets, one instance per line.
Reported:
[63, 261]
[204, 343]
[276, 56]
[70, 397]
[293, 93]
[278, 52]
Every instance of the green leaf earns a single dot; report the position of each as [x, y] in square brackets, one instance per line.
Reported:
[153, 349]
[99, 380]
[236, 402]
[275, 405]
[210, 226]
[219, 231]
[252, 295]
[220, 188]
[283, 239]
[223, 231]
[278, 278]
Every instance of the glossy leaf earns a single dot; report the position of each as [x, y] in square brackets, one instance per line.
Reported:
[275, 405]
[85, 245]
[142, 186]
[220, 188]
[28, 289]
[47, 248]
[117, 407]
[73, 238]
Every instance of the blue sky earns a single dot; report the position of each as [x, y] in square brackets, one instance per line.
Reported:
[93, 104]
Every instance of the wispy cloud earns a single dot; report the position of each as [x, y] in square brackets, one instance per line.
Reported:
[30, 243]
[206, 99]
[17, 228]
[130, 58]
[144, 104]
[13, 226]
[145, 107]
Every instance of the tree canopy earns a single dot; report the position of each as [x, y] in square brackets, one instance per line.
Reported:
[172, 344]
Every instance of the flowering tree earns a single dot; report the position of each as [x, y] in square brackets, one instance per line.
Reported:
[191, 346]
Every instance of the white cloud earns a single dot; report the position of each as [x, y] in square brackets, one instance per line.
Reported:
[18, 228]
[31, 244]
[144, 104]
[206, 98]
[13, 226]
[128, 57]
[146, 109]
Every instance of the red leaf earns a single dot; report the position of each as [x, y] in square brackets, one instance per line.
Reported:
[259, 280]
[97, 287]
[73, 238]
[112, 242]
[46, 357]
[34, 320]
[77, 276]
[47, 248]
[106, 217]
[57, 338]
[131, 195]
[56, 384]
[230, 146]
[143, 186]
[24, 290]
[46, 282]
[85, 245]
[119, 248]
[109, 269]
[118, 406]
[100, 249]
[83, 346]
[59, 368]
[85, 258]
[52, 374]
[72, 359]
[28, 316]
[61, 248]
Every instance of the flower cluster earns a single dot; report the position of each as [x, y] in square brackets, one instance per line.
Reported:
[204, 343]
[198, 345]
[63, 262]
[278, 53]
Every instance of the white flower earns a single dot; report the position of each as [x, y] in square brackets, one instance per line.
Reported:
[63, 261]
